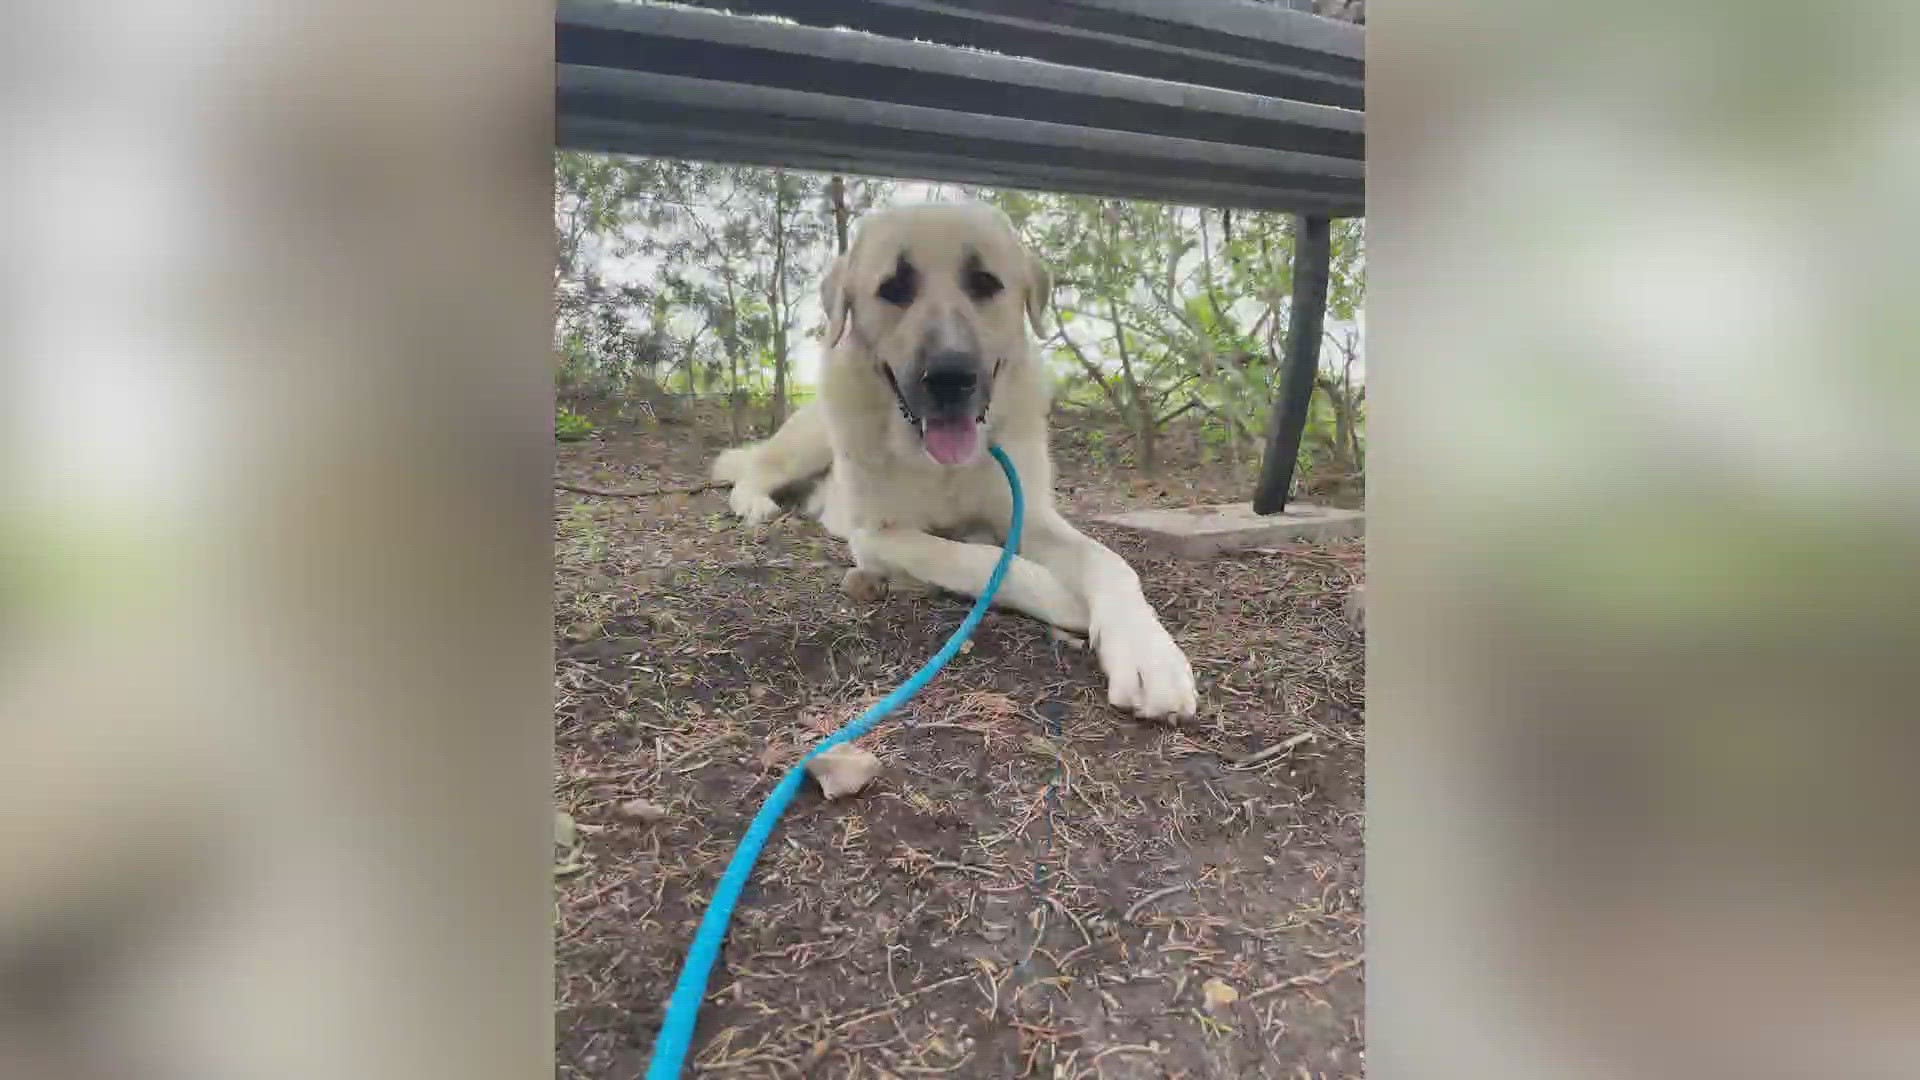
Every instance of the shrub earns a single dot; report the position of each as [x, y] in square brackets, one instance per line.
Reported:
[570, 426]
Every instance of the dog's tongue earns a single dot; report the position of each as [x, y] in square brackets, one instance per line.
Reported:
[951, 442]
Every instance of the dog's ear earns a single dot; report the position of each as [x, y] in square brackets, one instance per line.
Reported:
[1039, 291]
[835, 298]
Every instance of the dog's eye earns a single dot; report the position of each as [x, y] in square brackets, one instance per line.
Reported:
[898, 288]
[982, 285]
[897, 292]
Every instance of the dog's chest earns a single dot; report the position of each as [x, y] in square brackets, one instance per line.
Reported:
[941, 501]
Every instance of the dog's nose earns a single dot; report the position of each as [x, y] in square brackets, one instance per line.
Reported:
[950, 377]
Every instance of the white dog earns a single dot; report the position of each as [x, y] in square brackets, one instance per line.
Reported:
[928, 361]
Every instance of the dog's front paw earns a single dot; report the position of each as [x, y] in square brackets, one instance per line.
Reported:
[902, 585]
[864, 585]
[752, 507]
[1147, 674]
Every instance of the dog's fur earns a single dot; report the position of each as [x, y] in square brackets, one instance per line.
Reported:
[912, 521]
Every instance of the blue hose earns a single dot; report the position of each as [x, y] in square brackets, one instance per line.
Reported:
[683, 1009]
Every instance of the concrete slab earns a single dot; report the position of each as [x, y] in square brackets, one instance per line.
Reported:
[1199, 532]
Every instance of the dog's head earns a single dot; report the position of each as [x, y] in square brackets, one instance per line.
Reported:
[936, 300]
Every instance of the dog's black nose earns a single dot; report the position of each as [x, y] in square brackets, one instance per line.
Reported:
[950, 377]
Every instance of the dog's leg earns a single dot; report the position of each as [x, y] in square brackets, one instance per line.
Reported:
[800, 449]
[899, 584]
[965, 568]
[1147, 674]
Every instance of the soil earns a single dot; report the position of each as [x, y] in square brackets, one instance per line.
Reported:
[955, 918]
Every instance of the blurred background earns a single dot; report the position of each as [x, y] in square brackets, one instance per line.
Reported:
[1642, 539]
[273, 702]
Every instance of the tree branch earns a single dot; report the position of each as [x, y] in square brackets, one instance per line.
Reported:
[1191, 405]
[1092, 369]
[1163, 395]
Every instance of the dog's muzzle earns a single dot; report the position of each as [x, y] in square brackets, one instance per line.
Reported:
[947, 401]
[948, 383]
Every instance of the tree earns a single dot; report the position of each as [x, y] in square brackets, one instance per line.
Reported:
[1159, 312]
[1170, 311]
[1347, 398]
[1095, 247]
[837, 192]
[742, 246]
[606, 333]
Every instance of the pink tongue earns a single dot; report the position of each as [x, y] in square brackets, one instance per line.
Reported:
[951, 442]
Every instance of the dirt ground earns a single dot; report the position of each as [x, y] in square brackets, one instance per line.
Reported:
[1188, 904]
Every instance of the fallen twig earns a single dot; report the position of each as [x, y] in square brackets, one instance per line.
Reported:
[1272, 752]
[843, 1025]
[984, 871]
[610, 493]
[1130, 1048]
[1075, 919]
[1314, 978]
[1156, 894]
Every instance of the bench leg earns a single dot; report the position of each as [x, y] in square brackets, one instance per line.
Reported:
[1312, 259]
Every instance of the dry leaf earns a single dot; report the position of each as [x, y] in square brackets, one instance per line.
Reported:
[1219, 994]
[566, 838]
[843, 770]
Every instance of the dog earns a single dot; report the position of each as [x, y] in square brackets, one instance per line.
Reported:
[928, 361]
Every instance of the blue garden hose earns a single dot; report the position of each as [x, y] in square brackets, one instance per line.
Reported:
[683, 1009]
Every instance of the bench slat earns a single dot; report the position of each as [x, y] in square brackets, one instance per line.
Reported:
[672, 80]
[742, 113]
[665, 140]
[1275, 53]
[689, 42]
